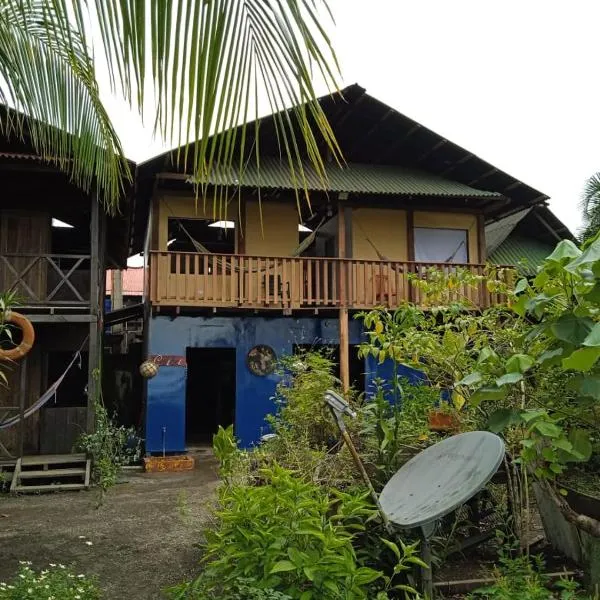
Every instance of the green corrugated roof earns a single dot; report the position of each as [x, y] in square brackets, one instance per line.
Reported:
[353, 179]
[526, 253]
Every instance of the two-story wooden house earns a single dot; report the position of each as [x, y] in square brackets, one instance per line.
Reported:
[229, 294]
[55, 244]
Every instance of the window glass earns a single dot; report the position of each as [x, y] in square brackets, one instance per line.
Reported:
[441, 245]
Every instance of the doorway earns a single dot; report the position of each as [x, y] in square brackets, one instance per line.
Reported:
[210, 393]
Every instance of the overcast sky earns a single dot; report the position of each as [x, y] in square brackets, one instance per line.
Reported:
[513, 81]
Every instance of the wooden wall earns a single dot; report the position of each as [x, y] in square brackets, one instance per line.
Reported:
[280, 226]
[26, 232]
[49, 338]
[385, 228]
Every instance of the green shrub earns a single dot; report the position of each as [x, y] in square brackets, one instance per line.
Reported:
[522, 578]
[108, 447]
[390, 433]
[55, 583]
[293, 537]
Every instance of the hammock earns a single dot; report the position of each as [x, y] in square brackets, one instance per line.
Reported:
[45, 397]
[296, 252]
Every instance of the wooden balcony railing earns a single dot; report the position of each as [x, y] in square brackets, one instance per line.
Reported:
[46, 279]
[258, 282]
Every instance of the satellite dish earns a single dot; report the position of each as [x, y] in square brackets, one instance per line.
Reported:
[440, 479]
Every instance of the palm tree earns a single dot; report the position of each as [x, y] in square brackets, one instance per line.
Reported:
[591, 207]
[203, 62]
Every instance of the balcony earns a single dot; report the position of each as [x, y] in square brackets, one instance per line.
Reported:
[180, 279]
[47, 280]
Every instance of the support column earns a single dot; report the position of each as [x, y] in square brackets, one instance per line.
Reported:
[22, 401]
[343, 317]
[96, 302]
[410, 248]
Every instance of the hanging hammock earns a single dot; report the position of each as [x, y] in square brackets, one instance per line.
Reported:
[46, 396]
[302, 247]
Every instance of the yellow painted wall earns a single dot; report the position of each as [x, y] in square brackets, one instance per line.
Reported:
[280, 226]
[185, 207]
[452, 221]
[386, 228]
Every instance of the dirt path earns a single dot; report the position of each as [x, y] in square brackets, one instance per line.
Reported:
[142, 538]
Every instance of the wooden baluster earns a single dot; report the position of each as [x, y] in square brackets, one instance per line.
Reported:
[225, 275]
[309, 286]
[204, 281]
[390, 284]
[214, 269]
[277, 295]
[250, 280]
[285, 283]
[318, 290]
[195, 279]
[325, 267]
[336, 269]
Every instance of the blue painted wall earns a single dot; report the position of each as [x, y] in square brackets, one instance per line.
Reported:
[165, 415]
[385, 371]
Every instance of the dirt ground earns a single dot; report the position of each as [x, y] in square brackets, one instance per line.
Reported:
[142, 537]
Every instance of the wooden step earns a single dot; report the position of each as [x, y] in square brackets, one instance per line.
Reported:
[47, 473]
[59, 487]
[52, 459]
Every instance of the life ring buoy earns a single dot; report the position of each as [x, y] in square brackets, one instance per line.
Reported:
[28, 336]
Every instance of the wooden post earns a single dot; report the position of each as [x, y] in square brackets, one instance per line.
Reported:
[343, 318]
[481, 245]
[95, 334]
[484, 295]
[22, 399]
[410, 248]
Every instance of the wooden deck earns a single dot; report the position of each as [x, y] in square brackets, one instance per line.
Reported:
[259, 282]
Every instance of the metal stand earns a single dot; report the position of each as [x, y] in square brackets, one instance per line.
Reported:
[339, 407]
[426, 574]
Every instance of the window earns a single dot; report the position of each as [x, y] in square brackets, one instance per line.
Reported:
[217, 240]
[190, 235]
[441, 245]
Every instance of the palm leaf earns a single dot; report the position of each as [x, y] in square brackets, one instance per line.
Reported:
[209, 61]
[590, 204]
[47, 75]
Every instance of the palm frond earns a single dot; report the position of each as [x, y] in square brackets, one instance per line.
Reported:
[210, 61]
[47, 75]
[590, 204]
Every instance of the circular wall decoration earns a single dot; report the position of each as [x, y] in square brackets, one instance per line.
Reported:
[261, 360]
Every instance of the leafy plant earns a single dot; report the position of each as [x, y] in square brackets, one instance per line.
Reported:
[52, 583]
[306, 438]
[7, 302]
[560, 344]
[392, 432]
[522, 579]
[295, 537]
[111, 447]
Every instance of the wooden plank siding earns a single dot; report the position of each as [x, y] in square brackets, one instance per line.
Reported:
[277, 282]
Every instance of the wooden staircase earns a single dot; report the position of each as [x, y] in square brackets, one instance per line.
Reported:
[51, 473]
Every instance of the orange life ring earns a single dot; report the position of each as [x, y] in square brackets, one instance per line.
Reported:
[28, 336]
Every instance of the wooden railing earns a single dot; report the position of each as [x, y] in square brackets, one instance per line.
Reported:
[241, 281]
[46, 279]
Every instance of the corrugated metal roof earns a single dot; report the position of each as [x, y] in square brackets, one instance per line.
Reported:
[525, 253]
[497, 232]
[353, 179]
